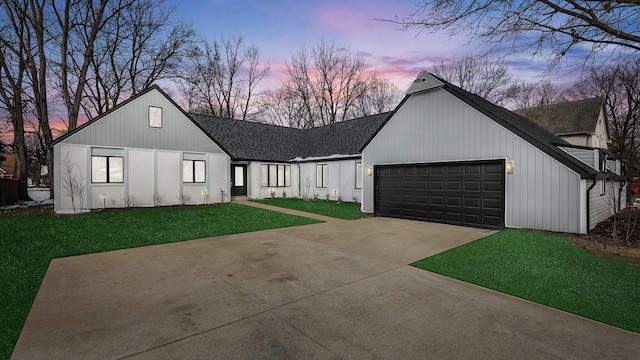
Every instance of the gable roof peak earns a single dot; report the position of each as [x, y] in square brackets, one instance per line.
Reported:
[425, 81]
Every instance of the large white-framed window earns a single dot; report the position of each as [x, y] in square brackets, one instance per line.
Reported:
[194, 171]
[155, 119]
[273, 175]
[107, 169]
[358, 175]
[322, 175]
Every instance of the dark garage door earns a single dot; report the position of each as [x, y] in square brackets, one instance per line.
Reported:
[469, 193]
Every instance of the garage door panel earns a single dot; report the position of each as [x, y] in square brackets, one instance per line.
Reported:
[470, 194]
[454, 185]
[472, 202]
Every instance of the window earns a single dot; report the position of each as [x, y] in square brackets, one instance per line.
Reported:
[322, 176]
[603, 187]
[358, 175]
[107, 169]
[155, 117]
[193, 171]
[275, 175]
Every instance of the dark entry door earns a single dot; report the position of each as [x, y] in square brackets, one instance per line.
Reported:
[468, 194]
[238, 180]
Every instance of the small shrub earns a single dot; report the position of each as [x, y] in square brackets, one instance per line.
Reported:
[157, 198]
[305, 189]
[339, 199]
[327, 197]
[183, 198]
[284, 194]
[315, 197]
[129, 200]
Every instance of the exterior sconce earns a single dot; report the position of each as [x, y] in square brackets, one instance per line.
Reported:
[103, 197]
[205, 193]
[510, 167]
[369, 170]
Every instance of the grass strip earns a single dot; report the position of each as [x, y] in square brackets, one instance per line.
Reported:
[343, 210]
[547, 269]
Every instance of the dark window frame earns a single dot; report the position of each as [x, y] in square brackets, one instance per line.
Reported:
[320, 183]
[108, 170]
[275, 182]
[193, 171]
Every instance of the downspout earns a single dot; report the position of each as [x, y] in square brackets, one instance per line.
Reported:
[589, 207]
[299, 179]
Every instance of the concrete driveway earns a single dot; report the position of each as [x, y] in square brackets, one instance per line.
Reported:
[341, 289]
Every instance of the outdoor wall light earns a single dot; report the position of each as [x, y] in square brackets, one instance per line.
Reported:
[510, 167]
[369, 170]
[103, 197]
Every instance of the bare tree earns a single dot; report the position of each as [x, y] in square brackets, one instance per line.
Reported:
[381, 96]
[620, 86]
[282, 108]
[222, 77]
[139, 46]
[327, 81]
[592, 28]
[71, 183]
[60, 48]
[13, 73]
[484, 76]
[525, 95]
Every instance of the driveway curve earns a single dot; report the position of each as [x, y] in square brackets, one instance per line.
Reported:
[340, 289]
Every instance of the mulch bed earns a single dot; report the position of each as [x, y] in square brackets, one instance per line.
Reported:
[603, 233]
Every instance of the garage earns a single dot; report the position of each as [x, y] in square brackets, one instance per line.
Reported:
[462, 193]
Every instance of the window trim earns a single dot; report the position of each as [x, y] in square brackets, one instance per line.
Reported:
[321, 180]
[193, 171]
[108, 168]
[275, 182]
[149, 117]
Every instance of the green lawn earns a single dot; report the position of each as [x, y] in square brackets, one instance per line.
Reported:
[29, 242]
[344, 210]
[547, 269]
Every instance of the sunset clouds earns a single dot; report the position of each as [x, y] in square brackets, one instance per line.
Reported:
[281, 28]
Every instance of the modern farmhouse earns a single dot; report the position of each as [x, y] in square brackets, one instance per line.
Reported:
[442, 155]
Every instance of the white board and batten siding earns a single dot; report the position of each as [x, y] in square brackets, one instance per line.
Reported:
[435, 126]
[152, 157]
[341, 177]
[590, 157]
[604, 200]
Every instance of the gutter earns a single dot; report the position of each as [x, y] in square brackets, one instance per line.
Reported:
[589, 207]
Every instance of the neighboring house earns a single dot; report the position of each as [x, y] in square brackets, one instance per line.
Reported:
[449, 156]
[8, 166]
[442, 155]
[581, 122]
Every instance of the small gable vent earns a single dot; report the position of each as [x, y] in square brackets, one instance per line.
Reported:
[425, 81]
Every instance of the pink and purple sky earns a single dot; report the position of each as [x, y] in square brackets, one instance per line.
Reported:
[279, 28]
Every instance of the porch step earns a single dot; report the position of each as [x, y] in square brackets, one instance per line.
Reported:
[240, 198]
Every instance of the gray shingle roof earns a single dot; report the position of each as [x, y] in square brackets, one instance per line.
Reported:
[245, 140]
[570, 117]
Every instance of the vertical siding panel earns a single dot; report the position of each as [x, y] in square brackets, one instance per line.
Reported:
[436, 126]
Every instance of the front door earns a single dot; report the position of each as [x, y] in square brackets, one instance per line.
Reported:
[238, 180]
